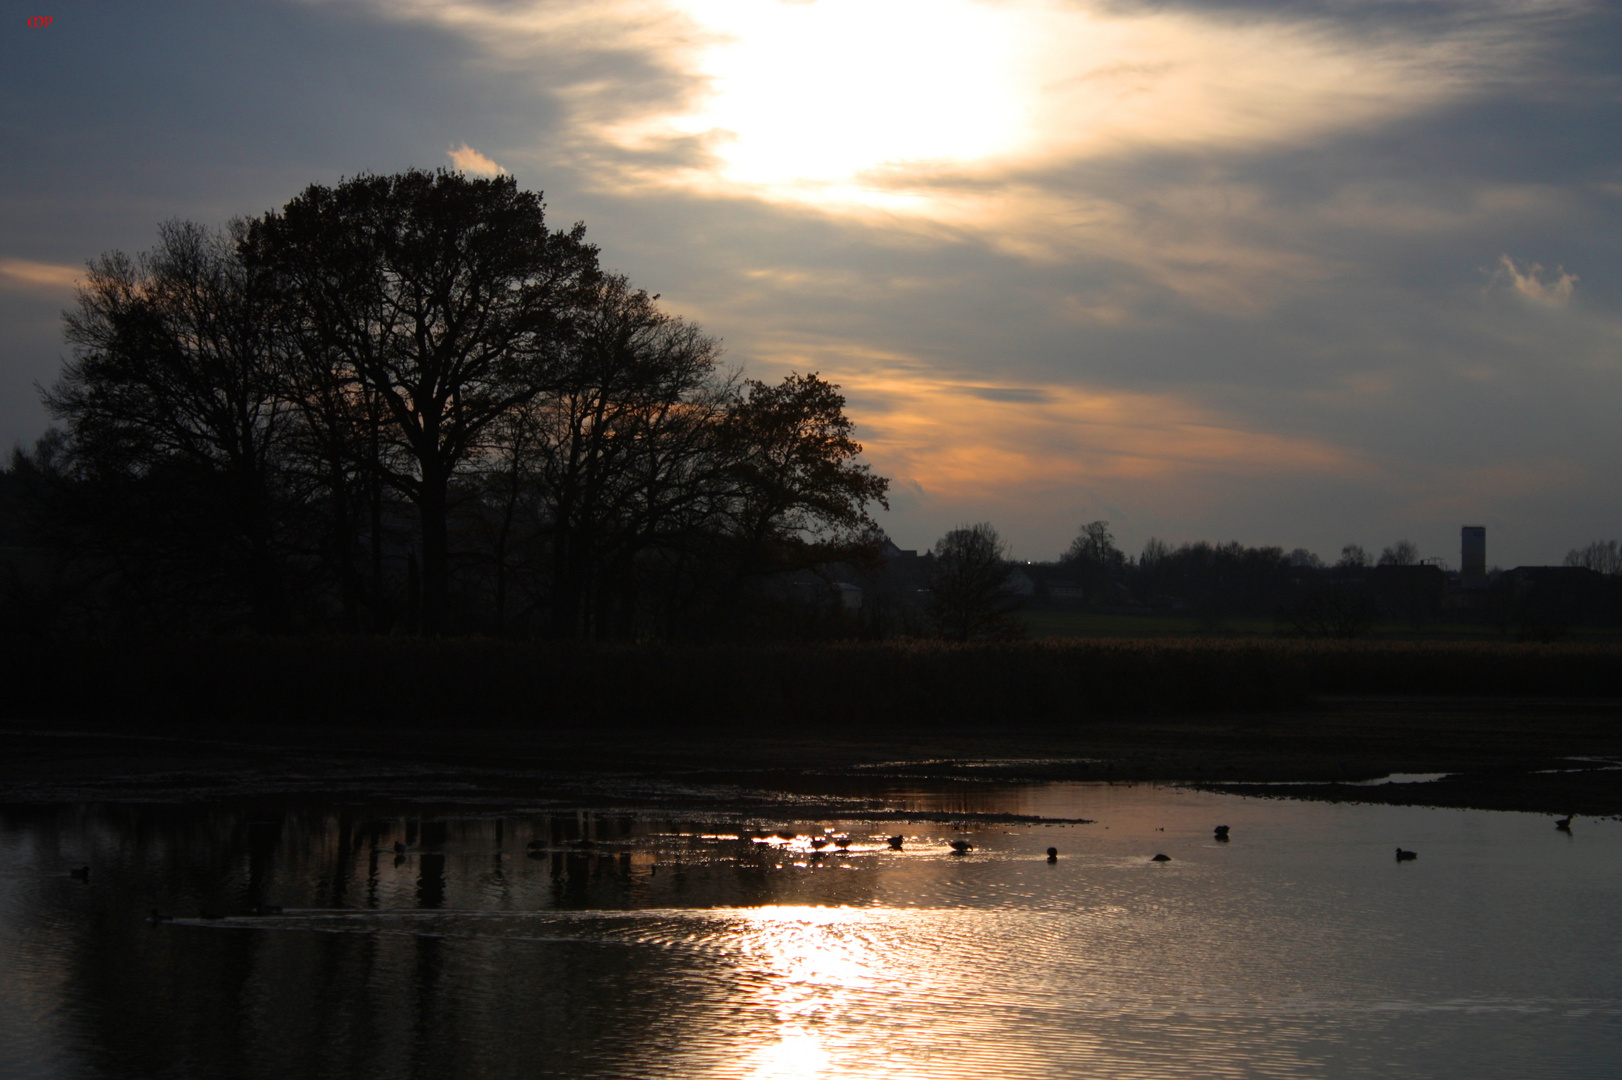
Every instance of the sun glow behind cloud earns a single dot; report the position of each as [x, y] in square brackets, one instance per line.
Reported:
[847, 103]
[811, 96]
[941, 108]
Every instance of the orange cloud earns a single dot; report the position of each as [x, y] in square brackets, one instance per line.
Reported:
[1555, 293]
[26, 275]
[468, 160]
[959, 439]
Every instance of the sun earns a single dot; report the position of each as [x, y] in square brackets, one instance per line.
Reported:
[820, 95]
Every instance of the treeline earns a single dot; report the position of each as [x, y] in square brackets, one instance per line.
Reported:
[405, 403]
[1219, 581]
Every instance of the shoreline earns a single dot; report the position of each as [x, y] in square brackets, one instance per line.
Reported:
[1526, 754]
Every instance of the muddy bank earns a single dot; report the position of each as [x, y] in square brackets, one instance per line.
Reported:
[1510, 754]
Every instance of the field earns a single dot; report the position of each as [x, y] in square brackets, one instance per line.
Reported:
[1082, 623]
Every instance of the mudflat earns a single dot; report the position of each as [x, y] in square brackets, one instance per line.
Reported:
[1558, 756]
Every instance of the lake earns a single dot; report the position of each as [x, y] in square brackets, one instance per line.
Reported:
[669, 939]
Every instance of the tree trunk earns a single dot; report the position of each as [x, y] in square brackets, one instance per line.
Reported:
[436, 566]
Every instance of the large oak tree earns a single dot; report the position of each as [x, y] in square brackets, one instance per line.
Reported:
[446, 298]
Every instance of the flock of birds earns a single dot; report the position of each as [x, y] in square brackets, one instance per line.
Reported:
[817, 843]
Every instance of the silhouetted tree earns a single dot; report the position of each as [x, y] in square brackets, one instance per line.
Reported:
[447, 298]
[1094, 559]
[970, 595]
[624, 452]
[1304, 559]
[793, 466]
[1402, 553]
[1602, 557]
[1215, 580]
[1352, 556]
[174, 416]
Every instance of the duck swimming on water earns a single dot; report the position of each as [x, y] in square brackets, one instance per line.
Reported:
[1406, 856]
[1564, 824]
[961, 847]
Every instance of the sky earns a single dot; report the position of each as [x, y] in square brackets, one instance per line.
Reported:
[1300, 274]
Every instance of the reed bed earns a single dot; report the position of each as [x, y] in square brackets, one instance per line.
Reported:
[418, 683]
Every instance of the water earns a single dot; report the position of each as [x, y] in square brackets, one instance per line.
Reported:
[672, 948]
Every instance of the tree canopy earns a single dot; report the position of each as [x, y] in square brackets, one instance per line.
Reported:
[405, 401]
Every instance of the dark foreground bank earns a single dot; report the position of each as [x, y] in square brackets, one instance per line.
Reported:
[428, 684]
[1513, 727]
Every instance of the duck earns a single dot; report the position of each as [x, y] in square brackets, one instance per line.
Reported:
[536, 845]
[81, 873]
[1161, 858]
[1053, 854]
[841, 842]
[1221, 832]
[960, 847]
[819, 843]
[583, 845]
[399, 847]
[1564, 824]
[895, 842]
[1406, 856]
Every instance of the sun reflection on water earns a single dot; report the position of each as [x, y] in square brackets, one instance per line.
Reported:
[816, 968]
[796, 1053]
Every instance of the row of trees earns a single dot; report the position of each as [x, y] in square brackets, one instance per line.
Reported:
[972, 592]
[407, 401]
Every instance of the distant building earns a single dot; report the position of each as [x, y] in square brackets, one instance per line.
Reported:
[1542, 602]
[1414, 593]
[1473, 555]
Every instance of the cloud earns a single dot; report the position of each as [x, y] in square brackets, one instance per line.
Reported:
[1555, 293]
[23, 274]
[1007, 394]
[959, 440]
[467, 159]
[848, 104]
[1209, 265]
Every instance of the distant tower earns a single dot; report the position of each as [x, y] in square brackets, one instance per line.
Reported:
[1473, 561]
